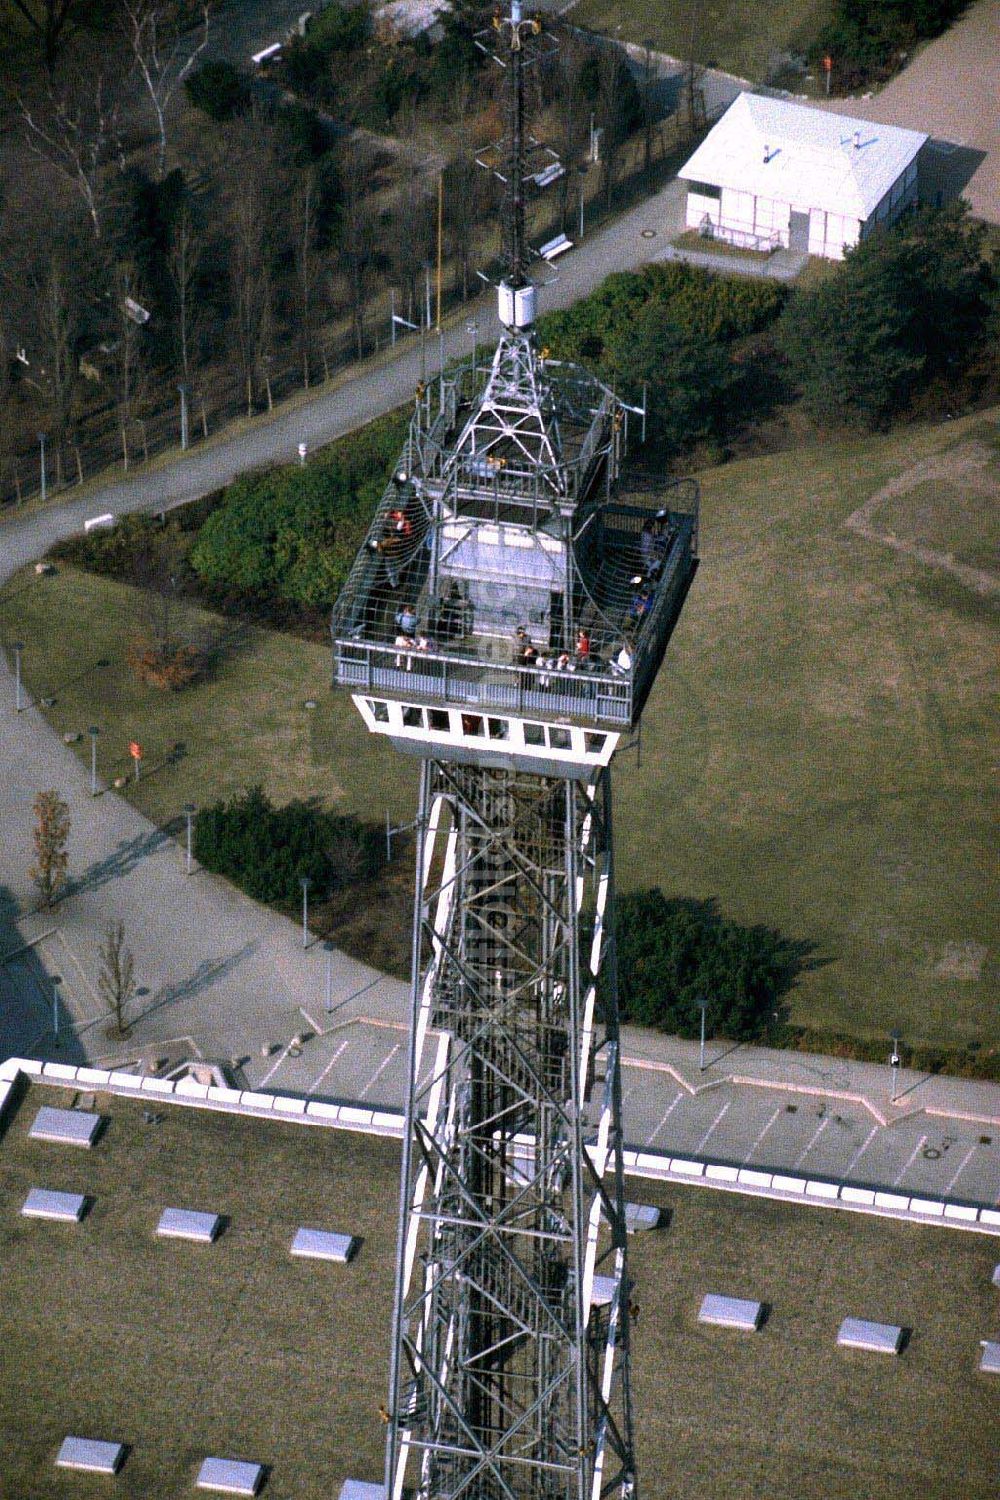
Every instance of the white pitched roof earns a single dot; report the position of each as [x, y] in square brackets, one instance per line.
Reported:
[812, 160]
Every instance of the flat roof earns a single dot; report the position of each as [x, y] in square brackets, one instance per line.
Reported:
[812, 160]
[184, 1352]
[181, 1351]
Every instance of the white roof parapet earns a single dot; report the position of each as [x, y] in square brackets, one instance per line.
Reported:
[807, 157]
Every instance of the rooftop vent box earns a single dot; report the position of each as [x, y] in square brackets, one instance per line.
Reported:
[879, 1338]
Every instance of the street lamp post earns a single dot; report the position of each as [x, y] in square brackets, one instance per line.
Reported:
[41, 443]
[93, 731]
[473, 328]
[329, 950]
[894, 1062]
[702, 1006]
[183, 391]
[189, 812]
[18, 648]
[56, 982]
[305, 883]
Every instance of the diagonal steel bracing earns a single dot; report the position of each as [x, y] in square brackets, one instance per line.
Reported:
[509, 1371]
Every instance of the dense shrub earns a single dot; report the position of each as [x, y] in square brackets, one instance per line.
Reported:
[672, 327]
[909, 304]
[292, 533]
[218, 89]
[718, 308]
[674, 954]
[868, 38]
[117, 551]
[266, 849]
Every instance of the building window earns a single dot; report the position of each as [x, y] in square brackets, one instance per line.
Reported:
[472, 724]
[380, 711]
[534, 734]
[705, 189]
[412, 717]
[594, 743]
[499, 729]
[559, 739]
[439, 720]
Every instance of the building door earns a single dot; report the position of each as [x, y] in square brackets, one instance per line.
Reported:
[798, 232]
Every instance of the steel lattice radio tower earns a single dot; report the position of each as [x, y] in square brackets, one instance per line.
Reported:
[504, 622]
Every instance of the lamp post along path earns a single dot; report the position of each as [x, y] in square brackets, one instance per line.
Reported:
[18, 648]
[93, 731]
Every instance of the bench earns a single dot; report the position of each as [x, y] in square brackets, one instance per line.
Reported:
[558, 245]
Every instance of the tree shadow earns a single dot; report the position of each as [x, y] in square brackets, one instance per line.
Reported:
[26, 1015]
[124, 859]
[54, 689]
[200, 978]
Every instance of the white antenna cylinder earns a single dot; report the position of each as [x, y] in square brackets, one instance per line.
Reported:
[516, 306]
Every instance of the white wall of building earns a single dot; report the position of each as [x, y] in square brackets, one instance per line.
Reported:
[755, 222]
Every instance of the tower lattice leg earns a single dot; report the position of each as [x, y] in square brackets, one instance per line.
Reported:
[509, 1374]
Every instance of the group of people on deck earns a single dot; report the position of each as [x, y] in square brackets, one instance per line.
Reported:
[526, 654]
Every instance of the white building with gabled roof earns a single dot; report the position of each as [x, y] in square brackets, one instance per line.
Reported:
[773, 173]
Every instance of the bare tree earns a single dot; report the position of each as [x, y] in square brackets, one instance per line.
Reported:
[116, 979]
[129, 349]
[571, 113]
[50, 834]
[51, 22]
[184, 250]
[305, 257]
[250, 179]
[76, 132]
[465, 191]
[357, 240]
[58, 306]
[611, 83]
[164, 55]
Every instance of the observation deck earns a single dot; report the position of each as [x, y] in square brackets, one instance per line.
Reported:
[502, 574]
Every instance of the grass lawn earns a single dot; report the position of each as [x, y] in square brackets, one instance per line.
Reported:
[818, 753]
[237, 1349]
[735, 35]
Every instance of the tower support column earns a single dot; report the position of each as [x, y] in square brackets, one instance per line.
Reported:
[509, 1371]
